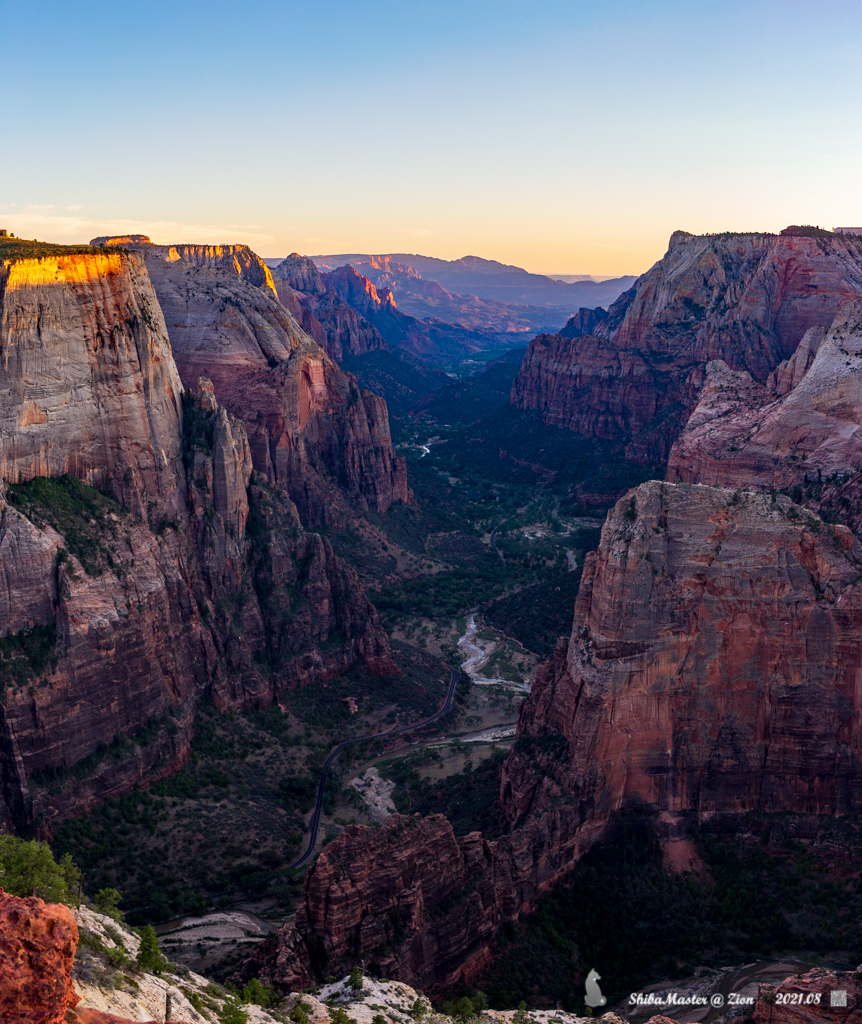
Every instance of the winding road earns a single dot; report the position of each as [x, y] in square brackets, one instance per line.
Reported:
[314, 823]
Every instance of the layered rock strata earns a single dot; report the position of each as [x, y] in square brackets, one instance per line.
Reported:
[119, 613]
[746, 299]
[334, 324]
[313, 432]
[712, 665]
[800, 432]
[238, 260]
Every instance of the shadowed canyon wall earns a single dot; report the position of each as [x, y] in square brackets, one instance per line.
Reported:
[746, 299]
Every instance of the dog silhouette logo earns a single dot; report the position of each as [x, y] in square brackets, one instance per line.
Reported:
[594, 995]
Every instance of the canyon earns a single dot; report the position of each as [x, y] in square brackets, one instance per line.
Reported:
[147, 566]
[189, 474]
[745, 299]
[713, 662]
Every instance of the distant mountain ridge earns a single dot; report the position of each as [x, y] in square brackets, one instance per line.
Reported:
[489, 279]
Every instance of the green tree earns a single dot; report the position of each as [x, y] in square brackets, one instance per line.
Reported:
[149, 957]
[378, 1018]
[106, 901]
[355, 980]
[232, 1013]
[28, 868]
[259, 994]
[338, 1015]
[418, 1009]
[298, 1015]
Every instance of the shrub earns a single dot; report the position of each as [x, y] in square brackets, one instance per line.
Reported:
[232, 1013]
[28, 868]
[355, 979]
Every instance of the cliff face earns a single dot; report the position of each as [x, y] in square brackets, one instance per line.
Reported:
[312, 431]
[429, 337]
[334, 324]
[111, 415]
[801, 430]
[745, 299]
[712, 664]
[239, 260]
[117, 615]
[412, 901]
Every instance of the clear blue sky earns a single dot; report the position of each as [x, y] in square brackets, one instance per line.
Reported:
[567, 137]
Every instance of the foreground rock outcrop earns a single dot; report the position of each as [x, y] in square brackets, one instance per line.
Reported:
[37, 947]
[746, 299]
[808, 999]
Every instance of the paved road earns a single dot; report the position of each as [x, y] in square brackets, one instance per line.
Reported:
[314, 823]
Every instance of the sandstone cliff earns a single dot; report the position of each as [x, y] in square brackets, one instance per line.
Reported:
[711, 666]
[409, 899]
[334, 324]
[87, 383]
[746, 299]
[120, 612]
[800, 432]
[239, 260]
[312, 431]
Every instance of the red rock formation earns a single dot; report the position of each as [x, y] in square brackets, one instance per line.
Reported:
[312, 431]
[745, 299]
[712, 665]
[130, 644]
[800, 430]
[37, 947]
[333, 323]
[414, 902]
[807, 999]
[429, 337]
